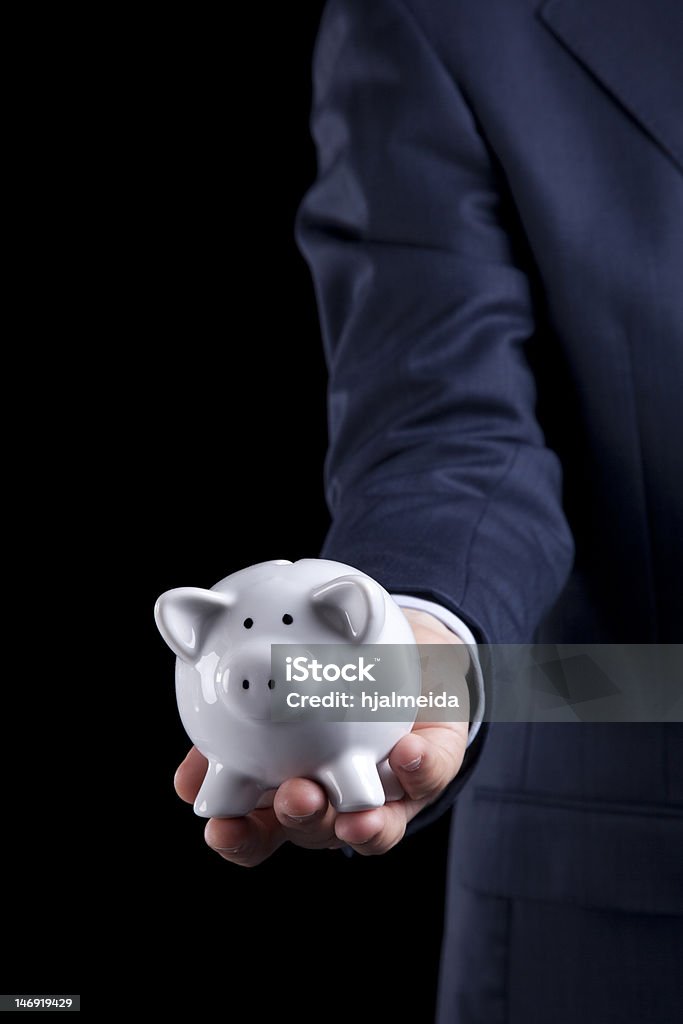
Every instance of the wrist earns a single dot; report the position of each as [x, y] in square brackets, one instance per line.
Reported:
[426, 623]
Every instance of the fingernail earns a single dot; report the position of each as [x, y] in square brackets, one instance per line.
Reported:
[413, 765]
[227, 849]
[301, 817]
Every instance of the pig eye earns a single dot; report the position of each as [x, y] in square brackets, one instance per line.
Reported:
[248, 623]
[271, 684]
[287, 619]
[245, 684]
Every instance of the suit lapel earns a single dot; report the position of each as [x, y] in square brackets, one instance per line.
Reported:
[634, 49]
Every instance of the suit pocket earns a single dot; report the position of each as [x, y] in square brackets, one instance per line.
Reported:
[622, 856]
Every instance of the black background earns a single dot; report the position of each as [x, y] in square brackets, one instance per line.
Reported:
[220, 407]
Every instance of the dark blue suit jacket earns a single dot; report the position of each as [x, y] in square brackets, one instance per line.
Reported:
[496, 239]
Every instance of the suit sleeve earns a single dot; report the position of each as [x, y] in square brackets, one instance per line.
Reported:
[438, 478]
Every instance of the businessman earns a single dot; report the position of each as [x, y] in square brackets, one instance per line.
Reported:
[496, 239]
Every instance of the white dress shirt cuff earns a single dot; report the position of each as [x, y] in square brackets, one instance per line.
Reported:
[475, 678]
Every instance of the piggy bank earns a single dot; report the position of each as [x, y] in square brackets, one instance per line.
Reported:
[222, 638]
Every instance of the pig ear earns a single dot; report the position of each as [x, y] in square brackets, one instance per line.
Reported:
[352, 605]
[185, 616]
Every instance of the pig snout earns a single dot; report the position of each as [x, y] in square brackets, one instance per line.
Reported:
[247, 684]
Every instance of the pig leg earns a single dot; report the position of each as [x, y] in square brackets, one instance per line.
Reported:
[224, 794]
[352, 783]
[392, 787]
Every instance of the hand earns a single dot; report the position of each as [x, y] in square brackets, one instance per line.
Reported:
[425, 761]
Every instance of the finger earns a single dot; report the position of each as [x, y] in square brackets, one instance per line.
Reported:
[426, 760]
[190, 775]
[300, 802]
[302, 808]
[245, 841]
[373, 832]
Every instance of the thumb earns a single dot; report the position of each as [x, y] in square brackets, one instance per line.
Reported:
[426, 760]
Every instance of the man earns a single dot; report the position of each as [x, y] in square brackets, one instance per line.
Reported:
[496, 237]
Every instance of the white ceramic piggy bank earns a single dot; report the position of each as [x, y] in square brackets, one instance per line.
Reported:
[222, 638]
